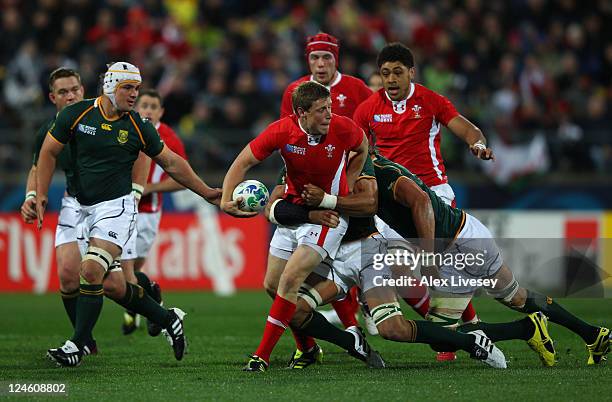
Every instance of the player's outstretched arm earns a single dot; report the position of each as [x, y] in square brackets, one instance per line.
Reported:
[51, 148]
[179, 170]
[362, 202]
[168, 185]
[28, 208]
[356, 163]
[234, 176]
[472, 135]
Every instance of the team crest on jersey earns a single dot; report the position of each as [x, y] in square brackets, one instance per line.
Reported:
[399, 107]
[122, 137]
[416, 109]
[341, 98]
[86, 129]
[330, 149]
[383, 118]
[106, 126]
[295, 149]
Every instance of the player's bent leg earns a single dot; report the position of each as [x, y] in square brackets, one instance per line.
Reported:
[319, 291]
[508, 292]
[131, 320]
[393, 326]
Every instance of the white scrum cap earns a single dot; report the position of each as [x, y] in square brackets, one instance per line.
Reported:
[117, 74]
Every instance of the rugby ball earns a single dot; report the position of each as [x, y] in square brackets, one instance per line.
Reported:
[254, 195]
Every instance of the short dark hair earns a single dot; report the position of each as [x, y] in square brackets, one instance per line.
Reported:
[308, 93]
[152, 93]
[395, 52]
[62, 72]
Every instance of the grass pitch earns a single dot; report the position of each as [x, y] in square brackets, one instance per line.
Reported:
[222, 331]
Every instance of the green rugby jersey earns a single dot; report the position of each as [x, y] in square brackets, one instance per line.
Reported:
[358, 227]
[63, 161]
[449, 220]
[103, 150]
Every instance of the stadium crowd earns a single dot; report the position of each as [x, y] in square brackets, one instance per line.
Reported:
[528, 72]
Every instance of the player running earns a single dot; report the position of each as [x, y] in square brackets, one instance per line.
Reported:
[105, 138]
[354, 266]
[406, 120]
[347, 92]
[314, 144]
[150, 106]
[416, 212]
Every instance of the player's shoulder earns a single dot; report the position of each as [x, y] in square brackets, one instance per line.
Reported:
[342, 122]
[77, 109]
[297, 82]
[165, 130]
[352, 80]
[284, 124]
[140, 122]
[422, 91]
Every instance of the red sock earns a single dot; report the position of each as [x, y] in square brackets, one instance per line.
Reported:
[346, 309]
[469, 314]
[418, 299]
[303, 342]
[281, 313]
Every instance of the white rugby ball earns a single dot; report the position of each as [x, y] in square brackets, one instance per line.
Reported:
[254, 195]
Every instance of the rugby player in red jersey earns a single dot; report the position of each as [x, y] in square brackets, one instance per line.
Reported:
[347, 92]
[314, 144]
[406, 120]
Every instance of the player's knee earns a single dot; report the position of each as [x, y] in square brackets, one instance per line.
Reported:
[395, 329]
[68, 279]
[519, 299]
[270, 286]
[92, 273]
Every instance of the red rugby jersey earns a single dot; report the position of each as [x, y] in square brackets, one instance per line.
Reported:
[408, 132]
[318, 160]
[347, 92]
[153, 202]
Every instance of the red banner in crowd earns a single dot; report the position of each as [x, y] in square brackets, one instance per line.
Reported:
[206, 250]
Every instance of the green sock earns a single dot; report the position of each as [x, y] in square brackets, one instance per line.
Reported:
[88, 308]
[521, 329]
[144, 282]
[138, 301]
[559, 315]
[441, 338]
[70, 303]
[318, 327]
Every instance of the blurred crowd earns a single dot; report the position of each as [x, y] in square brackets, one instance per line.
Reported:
[525, 71]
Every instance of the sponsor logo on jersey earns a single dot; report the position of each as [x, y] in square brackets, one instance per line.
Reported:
[113, 234]
[330, 149]
[383, 118]
[416, 109]
[106, 126]
[341, 98]
[294, 149]
[122, 137]
[86, 129]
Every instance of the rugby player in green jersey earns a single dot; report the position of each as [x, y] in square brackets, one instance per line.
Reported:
[416, 212]
[106, 137]
[353, 266]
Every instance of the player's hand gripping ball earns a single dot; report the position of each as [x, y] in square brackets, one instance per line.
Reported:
[254, 195]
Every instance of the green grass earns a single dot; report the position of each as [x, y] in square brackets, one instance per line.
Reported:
[222, 331]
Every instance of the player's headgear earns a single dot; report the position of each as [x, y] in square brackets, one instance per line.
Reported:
[323, 42]
[117, 74]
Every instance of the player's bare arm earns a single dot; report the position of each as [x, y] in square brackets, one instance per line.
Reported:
[168, 185]
[472, 135]
[407, 193]
[356, 163]
[140, 172]
[245, 161]
[362, 202]
[180, 171]
[51, 148]
[28, 208]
